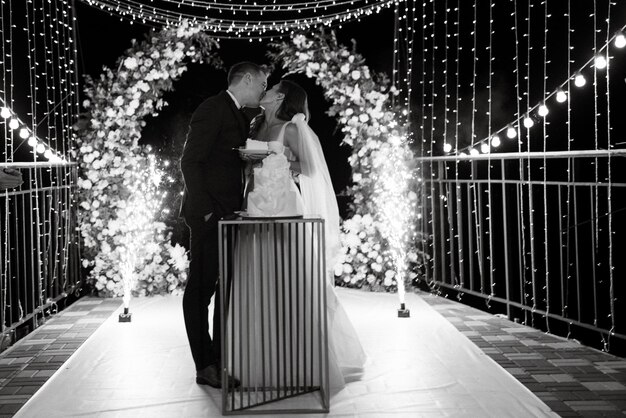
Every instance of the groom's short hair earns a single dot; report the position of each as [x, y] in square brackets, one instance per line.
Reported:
[237, 71]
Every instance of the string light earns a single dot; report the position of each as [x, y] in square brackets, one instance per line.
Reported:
[528, 122]
[255, 20]
[447, 147]
[16, 124]
[511, 132]
[485, 148]
[579, 80]
[495, 141]
[24, 133]
[599, 61]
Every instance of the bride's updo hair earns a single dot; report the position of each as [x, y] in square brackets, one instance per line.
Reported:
[295, 101]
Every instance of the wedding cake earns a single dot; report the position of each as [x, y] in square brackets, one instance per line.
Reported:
[254, 145]
[274, 193]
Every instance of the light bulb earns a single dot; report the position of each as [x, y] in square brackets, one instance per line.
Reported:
[462, 154]
[32, 141]
[447, 147]
[484, 148]
[580, 80]
[24, 133]
[5, 112]
[528, 122]
[14, 124]
[620, 40]
[511, 132]
[474, 151]
[600, 62]
[561, 96]
[495, 141]
[543, 111]
[47, 154]
[40, 148]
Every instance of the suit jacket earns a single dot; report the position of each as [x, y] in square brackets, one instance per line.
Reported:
[212, 170]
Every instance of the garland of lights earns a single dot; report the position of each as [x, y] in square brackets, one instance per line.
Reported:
[380, 240]
[248, 27]
[599, 61]
[121, 184]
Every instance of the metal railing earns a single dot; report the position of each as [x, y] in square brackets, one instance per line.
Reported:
[542, 233]
[39, 251]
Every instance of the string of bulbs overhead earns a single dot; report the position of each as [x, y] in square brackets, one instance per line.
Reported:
[600, 61]
[15, 124]
[256, 20]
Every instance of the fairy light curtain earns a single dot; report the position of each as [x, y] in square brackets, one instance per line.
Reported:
[527, 76]
[38, 106]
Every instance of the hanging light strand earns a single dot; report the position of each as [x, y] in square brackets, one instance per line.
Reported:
[545, 165]
[247, 27]
[562, 89]
[609, 188]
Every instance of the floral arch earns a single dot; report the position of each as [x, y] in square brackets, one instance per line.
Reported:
[126, 244]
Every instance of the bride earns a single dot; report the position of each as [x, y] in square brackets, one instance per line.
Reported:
[285, 122]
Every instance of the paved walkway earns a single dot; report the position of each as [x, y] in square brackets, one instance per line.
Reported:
[574, 380]
[29, 363]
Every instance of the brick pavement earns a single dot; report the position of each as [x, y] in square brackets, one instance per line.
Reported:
[574, 380]
[29, 363]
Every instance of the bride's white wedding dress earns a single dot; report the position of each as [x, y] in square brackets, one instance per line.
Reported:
[255, 331]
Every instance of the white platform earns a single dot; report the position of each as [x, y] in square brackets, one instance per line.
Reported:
[418, 367]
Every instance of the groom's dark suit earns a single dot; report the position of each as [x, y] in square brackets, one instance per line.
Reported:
[212, 171]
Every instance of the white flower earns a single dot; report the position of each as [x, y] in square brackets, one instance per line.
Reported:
[178, 254]
[119, 100]
[356, 74]
[130, 63]
[363, 117]
[302, 56]
[314, 66]
[345, 68]
[299, 40]
[338, 269]
[143, 86]
[130, 111]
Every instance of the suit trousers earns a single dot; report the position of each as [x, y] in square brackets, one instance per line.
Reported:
[201, 285]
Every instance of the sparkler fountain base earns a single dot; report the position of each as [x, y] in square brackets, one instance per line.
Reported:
[125, 316]
[403, 312]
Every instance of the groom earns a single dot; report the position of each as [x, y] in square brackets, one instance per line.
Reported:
[212, 172]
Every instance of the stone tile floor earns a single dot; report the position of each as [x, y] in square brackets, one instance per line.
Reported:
[28, 364]
[574, 380]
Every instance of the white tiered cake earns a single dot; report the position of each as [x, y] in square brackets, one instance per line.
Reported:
[274, 194]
